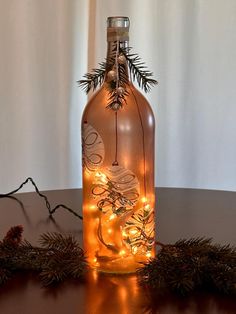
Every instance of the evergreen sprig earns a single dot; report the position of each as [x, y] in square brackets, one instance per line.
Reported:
[59, 257]
[93, 79]
[138, 72]
[116, 99]
[191, 265]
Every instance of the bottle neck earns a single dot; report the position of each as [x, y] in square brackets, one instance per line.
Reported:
[115, 58]
[112, 44]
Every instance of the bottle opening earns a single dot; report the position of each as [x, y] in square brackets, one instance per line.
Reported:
[118, 21]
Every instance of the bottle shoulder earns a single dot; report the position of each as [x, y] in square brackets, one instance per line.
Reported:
[134, 98]
[135, 111]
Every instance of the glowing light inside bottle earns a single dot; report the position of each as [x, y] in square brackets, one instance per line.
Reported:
[144, 199]
[122, 253]
[133, 231]
[113, 216]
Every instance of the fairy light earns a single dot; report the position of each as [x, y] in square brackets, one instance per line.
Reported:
[103, 178]
[124, 234]
[92, 207]
[97, 174]
[113, 216]
[122, 253]
[87, 174]
[109, 231]
[144, 199]
[149, 254]
[133, 231]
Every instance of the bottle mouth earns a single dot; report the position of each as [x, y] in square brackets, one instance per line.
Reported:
[118, 21]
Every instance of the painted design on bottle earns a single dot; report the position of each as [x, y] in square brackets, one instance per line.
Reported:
[92, 148]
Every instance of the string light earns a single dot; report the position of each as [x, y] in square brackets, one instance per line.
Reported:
[124, 234]
[133, 231]
[144, 199]
[93, 207]
[113, 216]
[122, 252]
[87, 174]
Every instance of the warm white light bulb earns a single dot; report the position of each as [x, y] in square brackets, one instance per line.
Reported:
[147, 206]
[113, 216]
[144, 199]
[122, 252]
[124, 233]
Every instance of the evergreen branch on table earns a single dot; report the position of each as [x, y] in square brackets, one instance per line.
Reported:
[53, 261]
[191, 265]
[52, 240]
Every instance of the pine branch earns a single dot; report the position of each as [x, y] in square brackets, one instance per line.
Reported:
[115, 100]
[59, 258]
[57, 241]
[191, 265]
[139, 70]
[93, 79]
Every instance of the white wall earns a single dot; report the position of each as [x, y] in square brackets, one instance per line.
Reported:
[46, 45]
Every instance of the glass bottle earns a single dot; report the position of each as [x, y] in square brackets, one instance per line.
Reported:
[118, 168]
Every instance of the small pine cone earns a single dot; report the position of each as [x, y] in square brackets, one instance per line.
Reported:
[13, 236]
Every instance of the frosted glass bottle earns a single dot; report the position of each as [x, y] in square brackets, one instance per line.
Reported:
[118, 173]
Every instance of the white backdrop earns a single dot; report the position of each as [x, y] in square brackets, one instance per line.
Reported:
[46, 45]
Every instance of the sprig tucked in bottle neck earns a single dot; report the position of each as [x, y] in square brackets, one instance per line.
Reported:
[119, 65]
[116, 77]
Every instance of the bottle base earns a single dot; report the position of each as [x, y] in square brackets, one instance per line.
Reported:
[124, 265]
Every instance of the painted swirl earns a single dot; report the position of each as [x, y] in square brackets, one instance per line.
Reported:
[93, 151]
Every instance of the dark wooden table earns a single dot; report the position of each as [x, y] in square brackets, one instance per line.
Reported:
[181, 213]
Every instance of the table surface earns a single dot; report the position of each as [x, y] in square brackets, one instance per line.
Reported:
[181, 213]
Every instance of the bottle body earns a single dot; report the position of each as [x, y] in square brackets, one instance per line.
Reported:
[118, 182]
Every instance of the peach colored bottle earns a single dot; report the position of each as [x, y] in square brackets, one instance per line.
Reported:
[118, 174]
